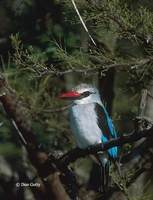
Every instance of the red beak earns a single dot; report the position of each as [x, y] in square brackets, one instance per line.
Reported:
[70, 95]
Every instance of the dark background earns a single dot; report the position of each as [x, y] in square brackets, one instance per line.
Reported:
[42, 47]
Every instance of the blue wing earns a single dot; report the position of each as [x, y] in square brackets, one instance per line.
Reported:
[108, 130]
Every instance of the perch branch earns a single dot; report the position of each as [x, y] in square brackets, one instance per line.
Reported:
[77, 153]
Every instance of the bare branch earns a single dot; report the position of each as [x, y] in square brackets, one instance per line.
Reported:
[102, 67]
[75, 154]
[55, 110]
[82, 22]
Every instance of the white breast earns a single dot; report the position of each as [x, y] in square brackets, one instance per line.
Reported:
[83, 120]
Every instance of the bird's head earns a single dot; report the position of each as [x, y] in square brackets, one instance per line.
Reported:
[82, 94]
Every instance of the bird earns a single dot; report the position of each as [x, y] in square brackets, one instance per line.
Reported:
[91, 124]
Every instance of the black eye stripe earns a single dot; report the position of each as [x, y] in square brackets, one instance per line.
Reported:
[86, 94]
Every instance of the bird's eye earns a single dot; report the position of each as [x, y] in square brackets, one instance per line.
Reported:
[86, 94]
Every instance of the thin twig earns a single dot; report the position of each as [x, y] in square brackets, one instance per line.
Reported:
[82, 22]
[53, 110]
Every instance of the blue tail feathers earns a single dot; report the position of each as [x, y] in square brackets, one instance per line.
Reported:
[113, 152]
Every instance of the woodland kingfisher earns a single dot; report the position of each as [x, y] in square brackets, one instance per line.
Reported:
[91, 124]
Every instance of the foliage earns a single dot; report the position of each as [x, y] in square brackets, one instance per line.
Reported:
[50, 52]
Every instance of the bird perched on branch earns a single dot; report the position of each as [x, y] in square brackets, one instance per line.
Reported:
[91, 124]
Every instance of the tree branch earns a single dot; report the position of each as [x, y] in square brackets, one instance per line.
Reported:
[75, 154]
[45, 166]
[102, 68]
